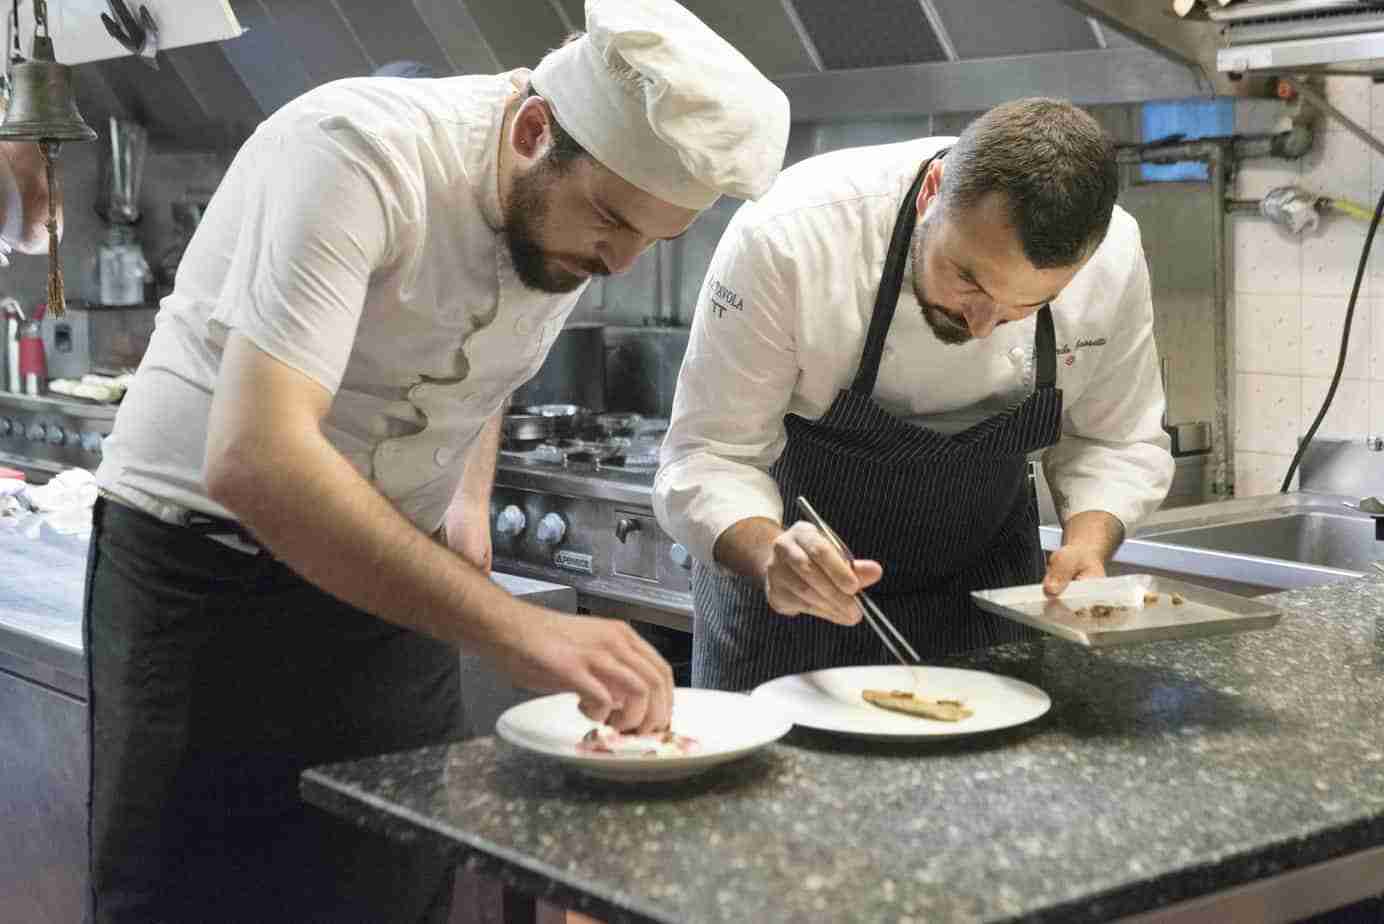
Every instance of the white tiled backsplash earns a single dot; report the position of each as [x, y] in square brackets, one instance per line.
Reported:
[1290, 296]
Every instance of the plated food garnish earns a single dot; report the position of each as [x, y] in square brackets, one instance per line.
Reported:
[944, 710]
[605, 740]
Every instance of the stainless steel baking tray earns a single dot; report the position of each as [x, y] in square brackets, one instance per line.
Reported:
[1136, 617]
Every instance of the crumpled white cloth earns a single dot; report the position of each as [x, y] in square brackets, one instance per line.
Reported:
[61, 506]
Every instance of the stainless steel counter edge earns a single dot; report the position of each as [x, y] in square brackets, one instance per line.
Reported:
[42, 660]
[71, 407]
[620, 487]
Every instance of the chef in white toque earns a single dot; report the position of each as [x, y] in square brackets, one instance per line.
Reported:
[385, 261]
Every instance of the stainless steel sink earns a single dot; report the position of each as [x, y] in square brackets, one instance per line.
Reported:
[1253, 545]
[1334, 540]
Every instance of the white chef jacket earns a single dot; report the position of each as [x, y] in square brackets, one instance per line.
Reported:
[356, 238]
[781, 323]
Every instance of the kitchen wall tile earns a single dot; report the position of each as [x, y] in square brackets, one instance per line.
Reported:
[1351, 95]
[1339, 164]
[1349, 415]
[1267, 258]
[1260, 472]
[1377, 107]
[1323, 318]
[1268, 409]
[1377, 344]
[1268, 331]
[1331, 256]
[1376, 409]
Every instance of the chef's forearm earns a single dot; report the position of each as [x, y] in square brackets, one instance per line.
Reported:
[315, 512]
[1096, 530]
[746, 546]
[480, 464]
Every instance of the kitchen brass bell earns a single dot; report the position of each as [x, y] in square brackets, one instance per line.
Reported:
[43, 106]
[43, 109]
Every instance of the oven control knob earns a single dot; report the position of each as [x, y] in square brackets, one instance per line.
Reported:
[510, 521]
[6, 426]
[91, 442]
[57, 435]
[551, 529]
[681, 556]
[36, 433]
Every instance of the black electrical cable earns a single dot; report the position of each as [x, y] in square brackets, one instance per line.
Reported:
[1345, 342]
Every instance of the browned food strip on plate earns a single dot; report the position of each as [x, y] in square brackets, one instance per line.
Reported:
[944, 710]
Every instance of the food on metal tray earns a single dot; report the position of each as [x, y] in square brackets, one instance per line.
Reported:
[1102, 610]
[1150, 599]
[1177, 600]
[605, 740]
[944, 710]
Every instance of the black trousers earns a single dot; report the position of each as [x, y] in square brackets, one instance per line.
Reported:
[215, 678]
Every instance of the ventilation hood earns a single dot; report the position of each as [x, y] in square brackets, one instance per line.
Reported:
[1254, 38]
[836, 60]
[1283, 35]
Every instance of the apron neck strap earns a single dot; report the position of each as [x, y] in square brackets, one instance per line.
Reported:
[1045, 349]
[887, 299]
[890, 283]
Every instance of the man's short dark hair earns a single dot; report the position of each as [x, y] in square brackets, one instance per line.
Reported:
[1054, 165]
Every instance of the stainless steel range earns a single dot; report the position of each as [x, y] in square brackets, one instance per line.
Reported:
[579, 511]
[42, 436]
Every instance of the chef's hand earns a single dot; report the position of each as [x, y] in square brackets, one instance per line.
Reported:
[1072, 563]
[468, 534]
[619, 678]
[1089, 539]
[805, 574]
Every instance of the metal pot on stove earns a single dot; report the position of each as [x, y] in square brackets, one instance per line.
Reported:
[522, 430]
[617, 423]
[565, 419]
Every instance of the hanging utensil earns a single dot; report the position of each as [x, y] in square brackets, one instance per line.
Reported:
[139, 36]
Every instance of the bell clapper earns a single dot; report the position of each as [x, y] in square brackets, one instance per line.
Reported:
[57, 303]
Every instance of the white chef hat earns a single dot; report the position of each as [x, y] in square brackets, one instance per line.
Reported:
[666, 103]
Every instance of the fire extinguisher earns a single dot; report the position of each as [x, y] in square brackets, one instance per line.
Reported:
[33, 363]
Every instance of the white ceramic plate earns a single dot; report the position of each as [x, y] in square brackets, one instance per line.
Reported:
[830, 700]
[727, 726]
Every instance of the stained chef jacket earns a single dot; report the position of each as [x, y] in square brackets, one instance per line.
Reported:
[356, 238]
[780, 325]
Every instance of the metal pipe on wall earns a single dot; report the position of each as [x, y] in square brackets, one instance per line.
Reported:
[1220, 154]
[1223, 476]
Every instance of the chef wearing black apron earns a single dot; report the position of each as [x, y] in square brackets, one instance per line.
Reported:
[944, 511]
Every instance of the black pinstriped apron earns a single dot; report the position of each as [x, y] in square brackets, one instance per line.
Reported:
[944, 514]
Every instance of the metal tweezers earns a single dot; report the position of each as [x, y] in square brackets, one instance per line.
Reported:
[873, 615]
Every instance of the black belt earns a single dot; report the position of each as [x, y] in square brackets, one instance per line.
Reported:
[204, 524]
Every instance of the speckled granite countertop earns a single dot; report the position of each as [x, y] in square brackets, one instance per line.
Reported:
[1163, 772]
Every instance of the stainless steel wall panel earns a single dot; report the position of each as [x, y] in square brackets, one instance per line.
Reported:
[392, 32]
[999, 28]
[467, 49]
[869, 33]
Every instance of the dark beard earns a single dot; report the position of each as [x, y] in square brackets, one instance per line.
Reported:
[524, 216]
[945, 327]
